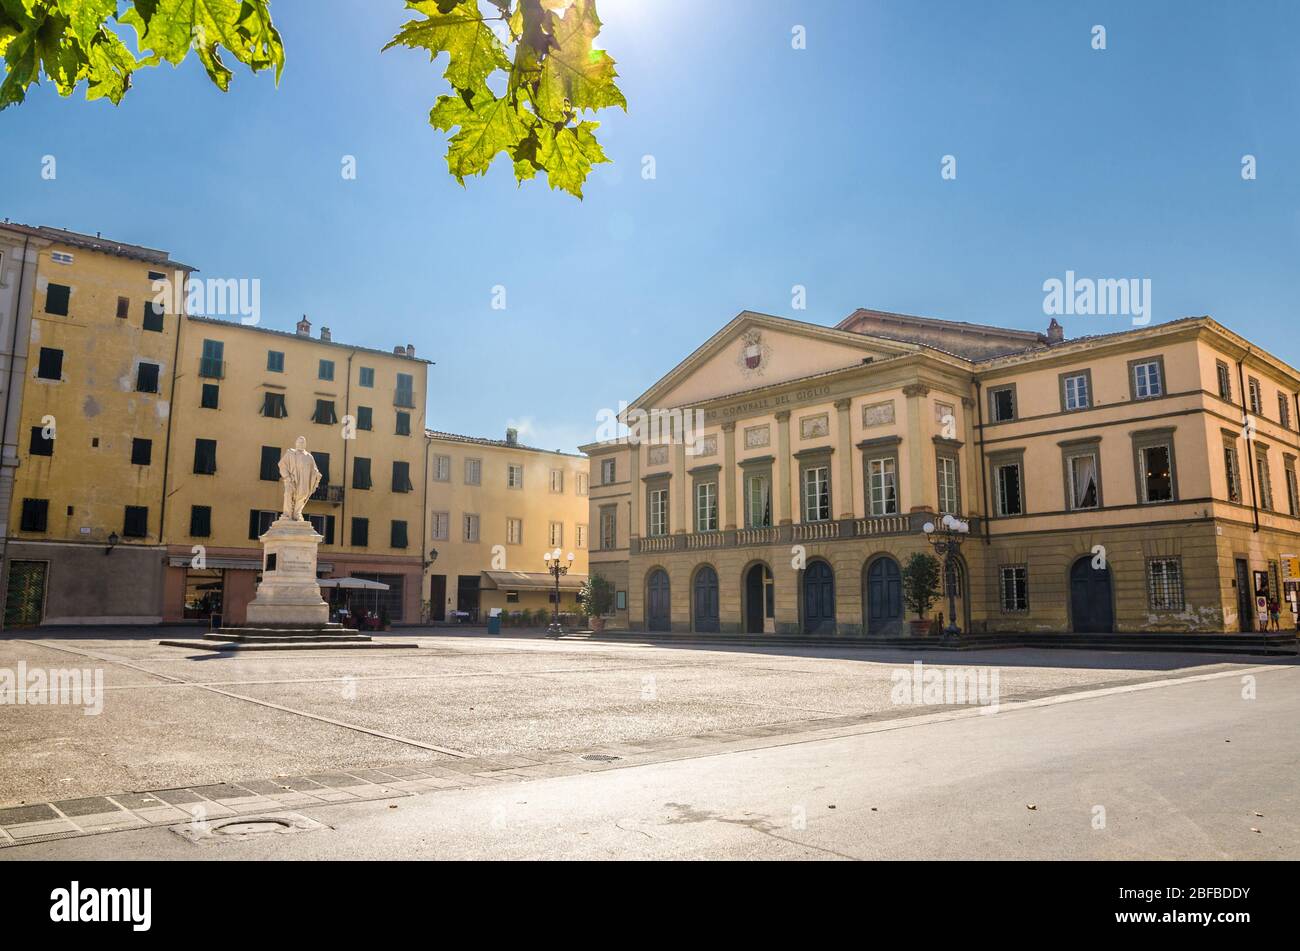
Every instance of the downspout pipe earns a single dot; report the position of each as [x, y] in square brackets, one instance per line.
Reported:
[984, 478]
[1245, 432]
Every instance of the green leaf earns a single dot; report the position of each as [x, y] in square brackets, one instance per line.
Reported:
[576, 75]
[86, 17]
[171, 28]
[488, 128]
[474, 52]
[568, 155]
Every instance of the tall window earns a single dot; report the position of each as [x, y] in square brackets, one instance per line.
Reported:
[212, 364]
[581, 483]
[1165, 584]
[275, 361]
[365, 418]
[200, 521]
[1002, 404]
[142, 452]
[883, 477]
[580, 535]
[1155, 468]
[135, 523]
[35, 515]
[205, 456]
[1265, 482]
[50, 364]
[405, 395]
[514, 476]
[56, 299]
[608, 528]
[607, 471]
[514, 531]
[555, 534]
[557, 480]
[1082, 475]
[706, 507]
[816, 493]
[1014, 587]
[41, 444]
[949, 486]
[1256, 396]
[402, 477]
[270, 467]
[146, 378]
[1076, 391]
[1232, 473]
[1225, 380]
[403, 423]
[153, 316]
[366, 377]
[1284, 411]
[360, 532]
[442, 468]
[658, 512]
[758, 501]
[1292, 491]
[1006, 480]
[473, 471]
[361, 473]
[1147, 382]
[210, 398]
[470, 526]
[397, 535]
[325, 370]
[439, 525]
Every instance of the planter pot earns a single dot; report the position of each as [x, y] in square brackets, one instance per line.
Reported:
[919, 627]
[598, 624]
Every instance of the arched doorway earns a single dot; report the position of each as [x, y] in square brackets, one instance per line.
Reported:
[704, 600]
[658, 609]
[760, 600]
[884, 598]
[1091, 605]
[818, 598]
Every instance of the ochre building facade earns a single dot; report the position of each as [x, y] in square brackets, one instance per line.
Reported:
[1143, 480]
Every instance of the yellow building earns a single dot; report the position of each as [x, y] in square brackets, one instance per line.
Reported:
[85, 531]
[495, 508]
[243, 394]
[1143, 480]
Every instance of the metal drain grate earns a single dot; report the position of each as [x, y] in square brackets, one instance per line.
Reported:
[600, 758]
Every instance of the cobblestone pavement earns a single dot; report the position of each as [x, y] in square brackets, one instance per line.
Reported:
[188, 736]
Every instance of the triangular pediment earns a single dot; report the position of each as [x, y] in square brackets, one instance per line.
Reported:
[756, 350]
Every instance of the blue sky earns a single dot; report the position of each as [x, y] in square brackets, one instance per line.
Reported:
[775, 167]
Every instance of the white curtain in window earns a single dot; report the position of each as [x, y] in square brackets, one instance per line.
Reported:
[1085, 482]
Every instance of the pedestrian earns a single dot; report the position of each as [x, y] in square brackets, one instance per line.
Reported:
[1274, 614]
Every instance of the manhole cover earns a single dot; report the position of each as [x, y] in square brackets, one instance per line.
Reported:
[244, 828]
[253, 827]
[600, 758]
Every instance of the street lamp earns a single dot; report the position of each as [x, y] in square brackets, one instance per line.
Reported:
[946, 539]
[557, 566]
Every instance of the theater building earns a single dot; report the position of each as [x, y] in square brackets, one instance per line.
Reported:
[1141, 480]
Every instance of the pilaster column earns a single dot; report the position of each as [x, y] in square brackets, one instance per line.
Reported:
[920, 451]
[680, 488]
[634, 495]
[784, 494]
[727, 482]
[972, 499]
[844, 450]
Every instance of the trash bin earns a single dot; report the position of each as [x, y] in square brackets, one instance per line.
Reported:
[494, 621]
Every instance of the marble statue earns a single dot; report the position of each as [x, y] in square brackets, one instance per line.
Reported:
[300, 475]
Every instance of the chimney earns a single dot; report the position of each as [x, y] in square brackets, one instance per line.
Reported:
[1055, 333]
[399, 350]
[304, 327]
[325, 334]
[410, 349]
[512, 436]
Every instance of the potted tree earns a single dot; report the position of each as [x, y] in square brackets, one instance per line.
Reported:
[598, 599]
[920, 589]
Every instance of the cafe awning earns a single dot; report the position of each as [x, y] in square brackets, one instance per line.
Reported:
[530, 581]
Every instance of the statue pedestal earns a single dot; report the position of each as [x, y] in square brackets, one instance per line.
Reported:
[288, 595]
